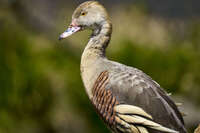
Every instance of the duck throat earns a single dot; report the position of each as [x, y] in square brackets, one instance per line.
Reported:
[97, 44]
[99, 40]
[93, 57]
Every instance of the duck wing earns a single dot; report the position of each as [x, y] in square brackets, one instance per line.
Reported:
[129, 101]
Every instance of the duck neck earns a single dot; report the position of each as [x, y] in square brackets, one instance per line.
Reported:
[94, 53]
[99, 41]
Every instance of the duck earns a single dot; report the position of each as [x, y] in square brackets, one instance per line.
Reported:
[127, 99]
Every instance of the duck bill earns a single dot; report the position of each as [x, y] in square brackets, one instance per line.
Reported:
[71, 30]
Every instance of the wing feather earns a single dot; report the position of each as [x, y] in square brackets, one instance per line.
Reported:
[130, 104]
[138, 89]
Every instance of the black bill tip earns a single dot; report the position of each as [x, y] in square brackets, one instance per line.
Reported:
[60, 38]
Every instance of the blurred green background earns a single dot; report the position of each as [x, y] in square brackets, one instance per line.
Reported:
[40, 86]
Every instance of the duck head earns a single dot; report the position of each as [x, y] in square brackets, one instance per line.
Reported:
[89, 15]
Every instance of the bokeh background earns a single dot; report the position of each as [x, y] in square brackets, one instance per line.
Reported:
[40, 86]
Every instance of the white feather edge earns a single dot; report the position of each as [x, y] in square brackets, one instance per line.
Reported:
[130, 109]
[129, 128]
[142, 129]
[140, 120]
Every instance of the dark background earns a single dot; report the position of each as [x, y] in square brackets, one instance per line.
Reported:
[40, 86]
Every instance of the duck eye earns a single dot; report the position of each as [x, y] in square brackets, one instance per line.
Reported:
[83, 13]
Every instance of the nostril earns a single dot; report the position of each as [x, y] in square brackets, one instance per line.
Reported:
[74, 23]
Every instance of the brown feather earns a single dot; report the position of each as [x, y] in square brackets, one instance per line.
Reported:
[103, 100]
